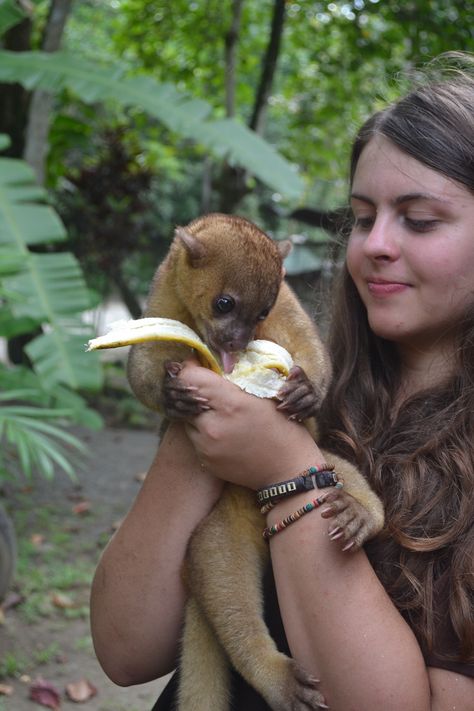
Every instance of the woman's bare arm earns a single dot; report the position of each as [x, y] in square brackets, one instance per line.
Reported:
[137, 594]
[340, 623]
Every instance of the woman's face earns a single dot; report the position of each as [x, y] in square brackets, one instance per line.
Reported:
[411, 249]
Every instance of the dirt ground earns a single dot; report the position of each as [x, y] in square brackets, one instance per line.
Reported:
[108, 483]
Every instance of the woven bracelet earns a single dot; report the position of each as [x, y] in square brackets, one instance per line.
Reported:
[277, 527]
[313, 478]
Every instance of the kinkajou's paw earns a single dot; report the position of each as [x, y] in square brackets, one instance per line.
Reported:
[351, 523]
[291, 688]
[180, 400]
[298, 396]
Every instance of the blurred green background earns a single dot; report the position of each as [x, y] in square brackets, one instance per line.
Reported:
[120, 119]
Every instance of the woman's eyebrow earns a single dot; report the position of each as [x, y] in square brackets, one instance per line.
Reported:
[362, 198]
[407, 197]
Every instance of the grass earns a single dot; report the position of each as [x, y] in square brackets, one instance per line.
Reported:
[84, 644]
[12, 665]
[47, 543]
[46, 654]
[48, 582]
[51, 587]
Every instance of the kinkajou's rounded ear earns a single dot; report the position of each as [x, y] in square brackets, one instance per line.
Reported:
[195, 249]
[284, 247]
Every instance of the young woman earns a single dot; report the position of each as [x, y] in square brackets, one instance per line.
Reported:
[390, 627]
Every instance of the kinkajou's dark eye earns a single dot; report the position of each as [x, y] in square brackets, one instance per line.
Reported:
[224, 304]
[263, 315]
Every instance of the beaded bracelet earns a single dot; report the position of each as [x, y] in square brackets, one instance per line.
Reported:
[312, 478]
[277, 527]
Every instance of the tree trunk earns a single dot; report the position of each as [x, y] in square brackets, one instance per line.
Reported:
[233, 181]
[14, 98]
[231, 45]
[269, 67]
[36, 140]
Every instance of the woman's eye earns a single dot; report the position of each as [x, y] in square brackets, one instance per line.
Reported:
[420, 225]
[224, 304]
[363, 222]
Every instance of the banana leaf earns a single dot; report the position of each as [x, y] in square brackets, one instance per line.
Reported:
[189, 117]
[43, 289]
[10, 14]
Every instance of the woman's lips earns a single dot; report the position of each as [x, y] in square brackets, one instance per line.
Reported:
[386, 288]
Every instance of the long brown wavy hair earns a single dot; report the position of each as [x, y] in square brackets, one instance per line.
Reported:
[419, 458]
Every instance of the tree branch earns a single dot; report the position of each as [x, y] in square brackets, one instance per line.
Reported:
[36, 139]
[231, 42]
[268, 67]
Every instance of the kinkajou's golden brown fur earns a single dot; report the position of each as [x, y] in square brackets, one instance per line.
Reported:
[223, 277]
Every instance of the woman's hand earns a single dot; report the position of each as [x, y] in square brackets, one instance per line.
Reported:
[242, 438]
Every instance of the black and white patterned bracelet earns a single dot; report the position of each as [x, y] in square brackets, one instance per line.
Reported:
[312, 478]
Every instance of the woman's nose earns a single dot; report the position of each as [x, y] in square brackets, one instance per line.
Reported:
[382, 240]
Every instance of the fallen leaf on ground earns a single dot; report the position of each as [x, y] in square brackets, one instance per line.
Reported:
[63, 601]
[37, 539]
[6, 690]
[79, 691]
[83, 507]
[45, 694]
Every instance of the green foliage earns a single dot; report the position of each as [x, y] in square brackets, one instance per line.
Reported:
[11, 14]
[332, 71]
[190, 37]
[106, 204]
[41, 287]
[12, 665]
[349, 58]
[45, 570]
[32, 426]
[44, 292]
[188, 117]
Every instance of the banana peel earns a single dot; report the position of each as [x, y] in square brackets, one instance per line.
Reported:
[260, 370]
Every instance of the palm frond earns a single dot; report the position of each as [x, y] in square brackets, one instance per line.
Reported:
[187, 116]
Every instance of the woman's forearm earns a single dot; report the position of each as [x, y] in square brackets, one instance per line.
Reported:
[137, 594]
[341, 624]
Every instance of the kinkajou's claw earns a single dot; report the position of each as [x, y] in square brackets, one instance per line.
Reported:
[173, 368]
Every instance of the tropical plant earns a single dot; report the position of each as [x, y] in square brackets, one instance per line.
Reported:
[40, 291]
[180, 113]
[10, 14]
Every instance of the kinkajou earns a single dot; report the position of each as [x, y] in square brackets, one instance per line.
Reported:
[223, 277]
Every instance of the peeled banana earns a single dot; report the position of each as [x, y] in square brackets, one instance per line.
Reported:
[260, 370]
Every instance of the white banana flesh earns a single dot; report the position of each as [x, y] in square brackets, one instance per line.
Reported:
[260, 370]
